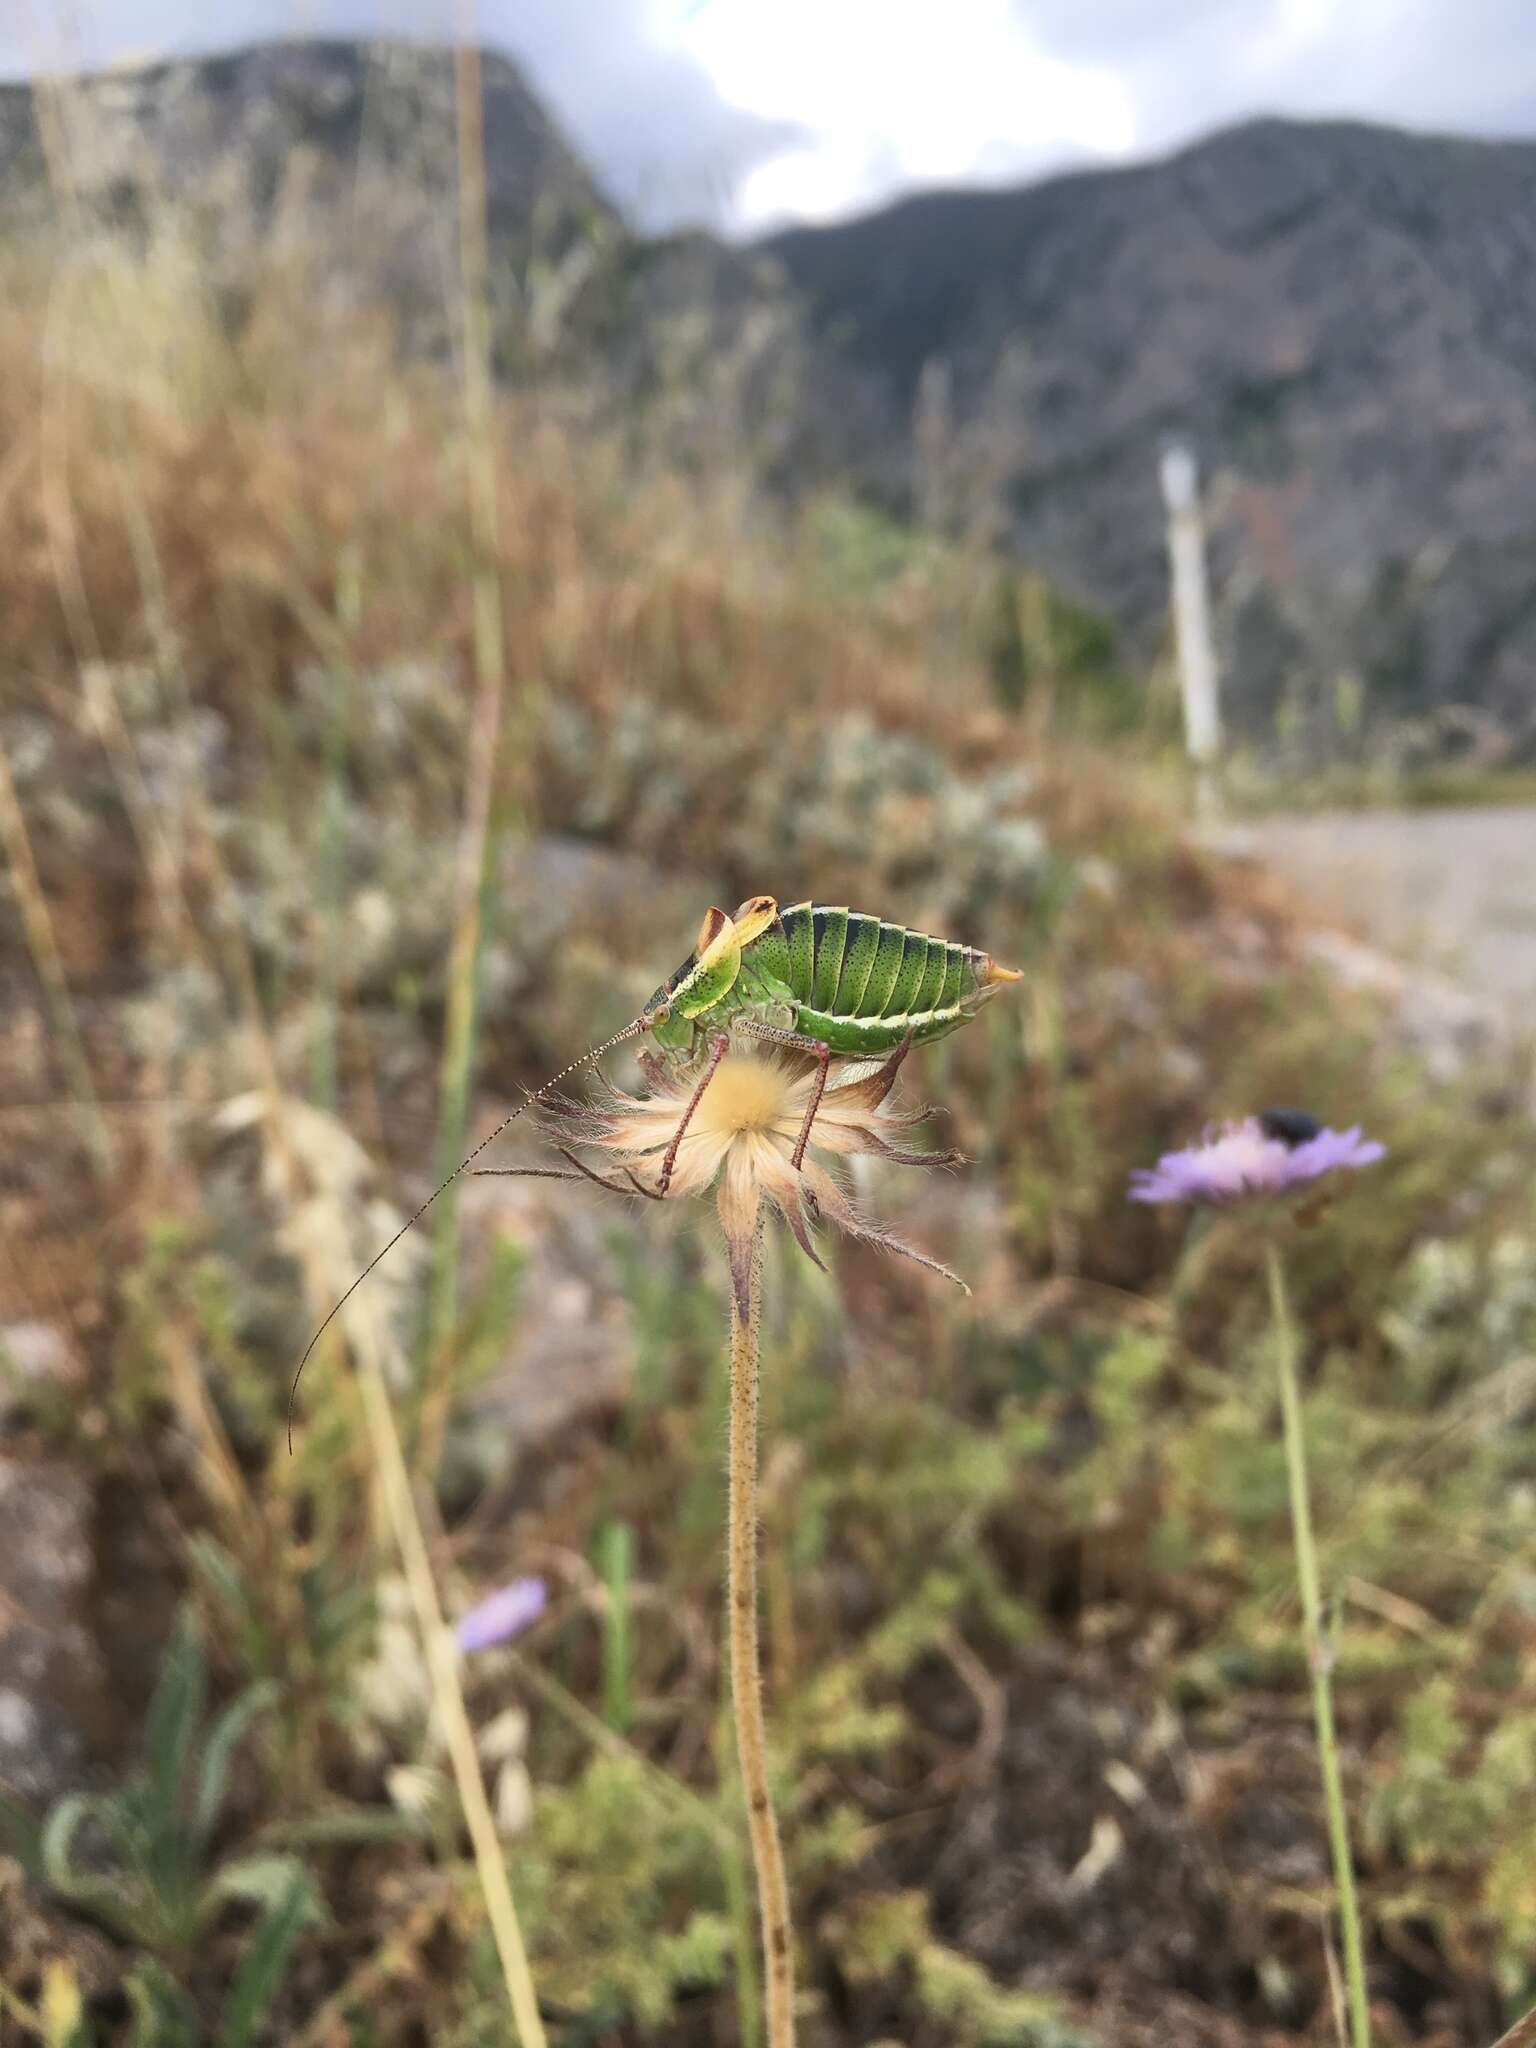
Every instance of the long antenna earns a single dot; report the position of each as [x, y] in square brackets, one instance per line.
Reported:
[631, 1030]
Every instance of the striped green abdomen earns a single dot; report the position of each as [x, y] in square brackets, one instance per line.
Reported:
[861, 985]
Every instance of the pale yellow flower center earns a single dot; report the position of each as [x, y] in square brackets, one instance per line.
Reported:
[746, 1096]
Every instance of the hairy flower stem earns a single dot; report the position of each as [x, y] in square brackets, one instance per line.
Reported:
[746, 1674]
[1319, 1655]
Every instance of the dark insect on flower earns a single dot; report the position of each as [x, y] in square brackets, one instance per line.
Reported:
[1292, 1127]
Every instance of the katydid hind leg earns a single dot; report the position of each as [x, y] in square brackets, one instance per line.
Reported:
[775, 1034]
[818, 1090]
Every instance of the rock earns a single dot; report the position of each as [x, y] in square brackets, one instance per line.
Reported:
[569, 911]
[54, 1694]
[557, 884]
[35, 1358]
[571, 1357]
[1450, 1028]
[1126, 994]
[1440, 919]
[342, 150]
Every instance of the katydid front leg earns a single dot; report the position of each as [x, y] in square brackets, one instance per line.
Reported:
[719, 1046]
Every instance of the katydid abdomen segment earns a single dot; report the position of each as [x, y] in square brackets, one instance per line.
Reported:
[860, 985]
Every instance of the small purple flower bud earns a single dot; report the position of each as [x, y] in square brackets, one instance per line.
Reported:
[502, 1615]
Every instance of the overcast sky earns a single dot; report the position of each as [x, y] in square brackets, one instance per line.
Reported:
[744, 113]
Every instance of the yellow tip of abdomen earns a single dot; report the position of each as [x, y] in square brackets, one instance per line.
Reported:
[994, 972]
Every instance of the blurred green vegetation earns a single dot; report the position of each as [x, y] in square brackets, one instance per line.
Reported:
[1040, 1727]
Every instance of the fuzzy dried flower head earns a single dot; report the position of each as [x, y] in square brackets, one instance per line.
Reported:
[1269, 1154]
[741, 1141]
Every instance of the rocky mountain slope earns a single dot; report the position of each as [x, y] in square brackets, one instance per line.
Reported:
[1340, 318]
[341, 157]
[356, 141]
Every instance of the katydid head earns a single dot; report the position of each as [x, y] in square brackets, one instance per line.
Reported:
[707, 976]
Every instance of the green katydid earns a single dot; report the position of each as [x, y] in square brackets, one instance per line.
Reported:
[823, 980]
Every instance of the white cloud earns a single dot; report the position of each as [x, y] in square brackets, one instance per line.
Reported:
[897, 92]
[1466, 65]
[638, 101]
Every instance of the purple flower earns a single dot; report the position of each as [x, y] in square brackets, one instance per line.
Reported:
[1263, 1155]
[502, 1615]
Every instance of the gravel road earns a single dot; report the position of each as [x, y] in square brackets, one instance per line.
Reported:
[1453, 888]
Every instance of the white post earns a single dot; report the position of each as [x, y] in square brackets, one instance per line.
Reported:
[1192, 619]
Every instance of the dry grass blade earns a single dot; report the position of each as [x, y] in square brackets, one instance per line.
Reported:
[448, 1698]
[477, 840]
[320, 1238]
[1521, 2035]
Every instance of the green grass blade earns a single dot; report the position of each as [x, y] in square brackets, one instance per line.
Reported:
[616, 1562]
[21, 1835]
[176, 1714]
[265, 1962]
[213, 1776]
[110, 1900]
[163, 2015]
